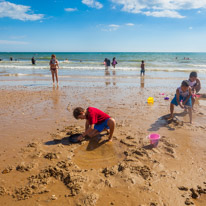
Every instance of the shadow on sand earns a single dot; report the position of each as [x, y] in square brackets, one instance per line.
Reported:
[93, 144]
[163, 121]
[65, 140]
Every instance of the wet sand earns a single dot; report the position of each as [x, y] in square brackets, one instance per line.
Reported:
[39, 166]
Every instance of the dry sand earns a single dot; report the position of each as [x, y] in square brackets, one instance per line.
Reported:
[40, 167]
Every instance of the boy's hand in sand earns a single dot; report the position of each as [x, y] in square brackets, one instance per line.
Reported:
[182, 106]
[80, 137]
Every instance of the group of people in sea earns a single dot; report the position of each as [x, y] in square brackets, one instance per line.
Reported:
[33, 61]
[107, 62]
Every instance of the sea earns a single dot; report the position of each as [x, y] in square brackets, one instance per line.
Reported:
[90, 64]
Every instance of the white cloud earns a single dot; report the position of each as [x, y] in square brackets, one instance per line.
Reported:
[92, 3]
[129, 24]
[17, 11]
[165, 13]
[70, 9]
[199, 12]
[114, 25]
[190, 28]
[7, 42]
[18, 37]
[111, 27]
[160, 8]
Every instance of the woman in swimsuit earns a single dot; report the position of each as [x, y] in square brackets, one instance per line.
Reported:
[114, 62]
[54, 66]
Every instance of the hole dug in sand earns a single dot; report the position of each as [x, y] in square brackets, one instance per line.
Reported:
[98, 153]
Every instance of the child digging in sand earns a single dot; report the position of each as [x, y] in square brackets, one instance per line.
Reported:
[96, 122]
[182, 98]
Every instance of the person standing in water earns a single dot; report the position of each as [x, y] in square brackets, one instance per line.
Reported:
[142, 72]
[105, 63]
[33, 61]
[54, 66]
[114, 62]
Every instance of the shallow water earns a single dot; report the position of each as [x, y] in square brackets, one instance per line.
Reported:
[98, 154]
[201, 201]
[202, 102]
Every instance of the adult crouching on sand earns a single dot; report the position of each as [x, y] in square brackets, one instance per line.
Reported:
[96, 122]
[54, 66]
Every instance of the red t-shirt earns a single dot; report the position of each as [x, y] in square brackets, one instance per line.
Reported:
[96, 116]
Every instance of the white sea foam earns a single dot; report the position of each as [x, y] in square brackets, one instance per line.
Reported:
[198, 68]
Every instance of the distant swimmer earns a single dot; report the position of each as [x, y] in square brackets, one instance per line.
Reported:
[186, 58]
[142, 72]
[33, 61]
[11, 58]
[66, 60]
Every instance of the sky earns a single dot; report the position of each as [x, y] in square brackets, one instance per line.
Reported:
[103, 26]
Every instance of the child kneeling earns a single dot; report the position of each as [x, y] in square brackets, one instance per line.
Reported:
[96, 122]
[182, 98]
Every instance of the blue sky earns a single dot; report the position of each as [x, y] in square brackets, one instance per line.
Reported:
[103, 25]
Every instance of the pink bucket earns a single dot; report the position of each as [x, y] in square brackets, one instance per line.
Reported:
[154, 139]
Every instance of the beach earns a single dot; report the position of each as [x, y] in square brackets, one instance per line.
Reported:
[39, 166]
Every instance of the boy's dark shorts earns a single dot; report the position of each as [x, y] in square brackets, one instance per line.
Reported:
[142, 71]
[188, 103]
[102, 126]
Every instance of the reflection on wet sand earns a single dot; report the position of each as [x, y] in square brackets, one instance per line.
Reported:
[142, 82]
[55, 95]
[108, 78]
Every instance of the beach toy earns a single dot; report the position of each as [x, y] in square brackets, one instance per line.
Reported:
[150, 100]
[162, 93]
[166, 98]
[196, 95]
[154, 139]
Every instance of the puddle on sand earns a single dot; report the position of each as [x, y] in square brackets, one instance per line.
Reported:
[98, 154]
[201, 201]
[202, 102]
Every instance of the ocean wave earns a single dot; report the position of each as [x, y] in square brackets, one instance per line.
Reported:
[23, 67]
[198, 65]
[67, 66]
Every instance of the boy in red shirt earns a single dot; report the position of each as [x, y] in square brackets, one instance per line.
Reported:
[96, 122]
